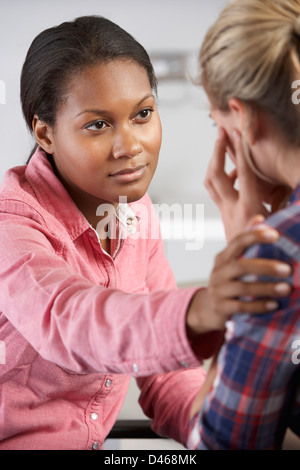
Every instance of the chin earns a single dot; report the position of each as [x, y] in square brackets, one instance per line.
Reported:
[134, 196]
[134, 193]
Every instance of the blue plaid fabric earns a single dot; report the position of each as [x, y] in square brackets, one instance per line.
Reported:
[256, 394]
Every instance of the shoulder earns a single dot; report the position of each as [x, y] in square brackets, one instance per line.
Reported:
[287, 220]
[16, 195]
[287, 223]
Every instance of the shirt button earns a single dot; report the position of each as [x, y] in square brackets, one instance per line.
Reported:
[135, 367]
[108, 383]
[184, 364]
[95, 446]
[94, 416]
[131, 224]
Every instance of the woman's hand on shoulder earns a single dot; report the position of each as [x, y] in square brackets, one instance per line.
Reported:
[227, 294]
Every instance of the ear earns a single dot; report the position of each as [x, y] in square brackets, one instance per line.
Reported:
[245, 117]
[43, 134]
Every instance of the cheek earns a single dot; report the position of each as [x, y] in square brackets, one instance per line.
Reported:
[154, 140]
[82, 153]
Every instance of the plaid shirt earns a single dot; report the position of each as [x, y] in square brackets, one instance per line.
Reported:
[256, 393]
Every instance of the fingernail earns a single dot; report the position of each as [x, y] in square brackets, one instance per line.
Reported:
[283, 269]
[282, 288]
[270, 235]
[258, 218]
[272, 305]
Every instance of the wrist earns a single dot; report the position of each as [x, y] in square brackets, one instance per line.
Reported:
[197, 314]
[201, 317]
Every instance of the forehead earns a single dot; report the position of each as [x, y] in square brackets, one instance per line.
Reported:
[107, 84]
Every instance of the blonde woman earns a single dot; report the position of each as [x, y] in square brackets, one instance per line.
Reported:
[250, 63]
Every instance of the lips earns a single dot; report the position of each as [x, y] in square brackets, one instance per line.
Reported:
[128, 175]
[128, 171]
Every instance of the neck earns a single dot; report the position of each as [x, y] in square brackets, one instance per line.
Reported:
[272, 154]
[97, 218]
[288, 167]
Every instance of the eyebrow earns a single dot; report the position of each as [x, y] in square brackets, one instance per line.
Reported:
[103, 111]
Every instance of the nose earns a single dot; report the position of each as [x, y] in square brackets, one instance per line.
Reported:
[126, 143]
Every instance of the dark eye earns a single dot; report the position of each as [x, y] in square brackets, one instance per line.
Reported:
[145, 113]
[96, 126]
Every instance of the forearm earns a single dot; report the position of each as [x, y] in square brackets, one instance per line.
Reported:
[207, 386]
[167, 399]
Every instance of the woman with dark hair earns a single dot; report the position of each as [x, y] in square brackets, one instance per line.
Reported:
[87, 296]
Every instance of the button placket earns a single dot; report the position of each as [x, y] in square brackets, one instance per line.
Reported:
[94, 416]
[94, 425]
[95, 446]
[184, 364]
[108, 383]
[94, 413]
[131, 223]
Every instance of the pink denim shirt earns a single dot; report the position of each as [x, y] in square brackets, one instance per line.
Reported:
[76, 323]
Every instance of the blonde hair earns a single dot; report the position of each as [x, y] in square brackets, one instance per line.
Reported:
[252, 52]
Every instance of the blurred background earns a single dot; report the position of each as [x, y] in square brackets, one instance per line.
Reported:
[172, 32]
